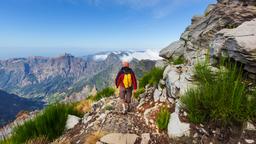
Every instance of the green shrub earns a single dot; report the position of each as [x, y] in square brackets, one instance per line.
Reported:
[51, 124]
[151, 78]
[252, 105]
[177, 61]
[230, 26]
[107, 92]
[163, 117]
[108, 107]
[138, 92]
[220, 96]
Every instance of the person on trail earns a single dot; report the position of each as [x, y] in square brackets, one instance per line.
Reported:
[126, 82]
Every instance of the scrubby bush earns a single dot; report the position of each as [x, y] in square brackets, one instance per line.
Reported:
[178, 60]
[252, 105]
[107, 92]
[50, 124]
[108, 107]
[163, 118]
[151, 78]
[84, 106]
[138, 92]
[220, 96]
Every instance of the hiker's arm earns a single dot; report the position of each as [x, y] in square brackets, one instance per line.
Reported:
[117, 79]
[134, 81]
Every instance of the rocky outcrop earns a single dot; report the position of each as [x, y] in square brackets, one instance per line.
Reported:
[239, 44]
[226, 28]
[196, 39]
[176, 49]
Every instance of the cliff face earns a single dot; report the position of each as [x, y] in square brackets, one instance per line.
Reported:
[199, 37]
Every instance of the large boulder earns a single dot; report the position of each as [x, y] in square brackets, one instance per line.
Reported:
[238, 43]
[72, 121]
[157, 94]
[119, 138]
[179, 80]
[175, 49]
[176, 128]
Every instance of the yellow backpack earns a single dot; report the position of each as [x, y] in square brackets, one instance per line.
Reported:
[127, 81]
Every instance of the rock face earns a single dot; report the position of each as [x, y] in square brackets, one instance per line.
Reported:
[226, 28]
[196, 39]
[238, 43]
[176, 49]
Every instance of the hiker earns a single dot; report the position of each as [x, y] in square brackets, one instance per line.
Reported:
[126, 81]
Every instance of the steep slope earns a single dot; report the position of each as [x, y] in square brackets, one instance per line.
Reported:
[11, 105]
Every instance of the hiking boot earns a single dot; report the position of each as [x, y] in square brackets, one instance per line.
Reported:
[124, 109]
[128, 108]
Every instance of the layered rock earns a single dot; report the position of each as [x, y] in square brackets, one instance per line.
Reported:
[196, 39]
[227, 27]
[239, 44]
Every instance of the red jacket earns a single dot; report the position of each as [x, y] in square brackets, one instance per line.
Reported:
[120, 77]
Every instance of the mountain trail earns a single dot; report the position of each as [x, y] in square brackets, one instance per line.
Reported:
[102, 122]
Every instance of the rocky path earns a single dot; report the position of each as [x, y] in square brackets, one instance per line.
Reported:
[116, 127]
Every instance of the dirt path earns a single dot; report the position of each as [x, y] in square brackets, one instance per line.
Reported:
[111, 122]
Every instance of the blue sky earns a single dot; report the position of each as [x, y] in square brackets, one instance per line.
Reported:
[53, 27]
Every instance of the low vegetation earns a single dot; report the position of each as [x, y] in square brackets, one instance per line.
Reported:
[84, 106]
[94, 137]
[220, 97]
[177, 61]
[48, 125]
[108, 107]
[163, 118]
[107, 92]
[152, 78]
[138, 93]
[230, 26]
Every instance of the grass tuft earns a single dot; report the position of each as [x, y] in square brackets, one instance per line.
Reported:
[49, 125]
[107, 92]
[84, 106]
[94, 137]
[152, 78]
[108, 107]
[163, 118]
[177, 61]
[138, 92]
[220, 97]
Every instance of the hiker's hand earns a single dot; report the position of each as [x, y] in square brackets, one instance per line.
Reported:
[134, 91]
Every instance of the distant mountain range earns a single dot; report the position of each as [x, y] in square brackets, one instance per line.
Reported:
[68, 77]
[11, 105]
